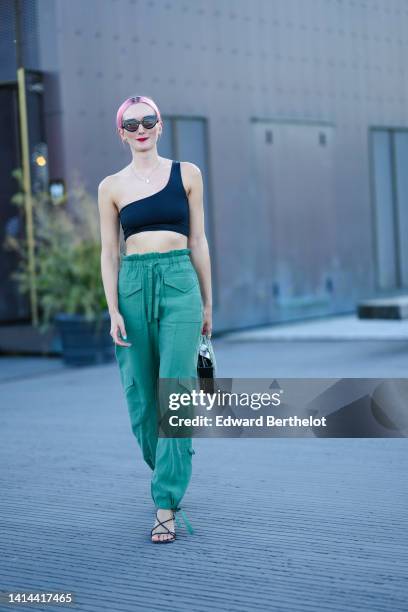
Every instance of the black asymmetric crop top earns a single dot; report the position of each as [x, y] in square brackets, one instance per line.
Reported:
[166, 209]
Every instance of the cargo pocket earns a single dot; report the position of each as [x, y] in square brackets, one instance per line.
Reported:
[182, 298]
[182, 282]
[188, 409]
[138, 410]
[130, 300]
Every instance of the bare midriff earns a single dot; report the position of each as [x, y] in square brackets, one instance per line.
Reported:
[157, 241]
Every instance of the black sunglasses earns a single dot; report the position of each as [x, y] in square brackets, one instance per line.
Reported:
[132, 125]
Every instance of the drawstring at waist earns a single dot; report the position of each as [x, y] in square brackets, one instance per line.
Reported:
[156, 281]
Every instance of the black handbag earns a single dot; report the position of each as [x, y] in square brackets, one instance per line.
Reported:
[206, 365]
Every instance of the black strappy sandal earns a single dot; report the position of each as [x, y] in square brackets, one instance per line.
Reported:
[172, 533]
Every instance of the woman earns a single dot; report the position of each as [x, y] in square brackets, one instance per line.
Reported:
[158, 293]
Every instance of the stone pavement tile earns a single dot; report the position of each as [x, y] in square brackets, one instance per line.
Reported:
[280, 524]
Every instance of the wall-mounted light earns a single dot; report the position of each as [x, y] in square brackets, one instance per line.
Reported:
[56, 189]
[39, 159]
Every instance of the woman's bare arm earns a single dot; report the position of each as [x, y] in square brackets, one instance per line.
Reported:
[109, 225]
[197, 241]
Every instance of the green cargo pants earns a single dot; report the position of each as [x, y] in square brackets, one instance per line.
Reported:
[160, 301]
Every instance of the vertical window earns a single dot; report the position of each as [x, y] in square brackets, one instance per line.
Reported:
[389, 154]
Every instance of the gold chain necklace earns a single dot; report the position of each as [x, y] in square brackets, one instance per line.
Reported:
[146, 180]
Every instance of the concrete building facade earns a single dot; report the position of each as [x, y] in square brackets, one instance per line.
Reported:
[296, 112]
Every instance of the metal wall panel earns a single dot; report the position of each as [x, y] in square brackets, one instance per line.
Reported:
[330, 62]
[294, 177]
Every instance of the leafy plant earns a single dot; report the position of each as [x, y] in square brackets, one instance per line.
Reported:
[67, 254]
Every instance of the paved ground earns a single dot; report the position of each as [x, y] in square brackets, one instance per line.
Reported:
[345, 327]
[281, 524]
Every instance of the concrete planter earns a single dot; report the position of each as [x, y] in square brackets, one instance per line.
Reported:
[85, 342]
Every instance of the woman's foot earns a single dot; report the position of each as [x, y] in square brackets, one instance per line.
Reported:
[164, 532]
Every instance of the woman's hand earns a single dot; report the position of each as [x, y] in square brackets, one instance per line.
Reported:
[207, 321]
[118, 325]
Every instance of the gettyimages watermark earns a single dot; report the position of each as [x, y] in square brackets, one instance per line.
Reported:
[284, 407]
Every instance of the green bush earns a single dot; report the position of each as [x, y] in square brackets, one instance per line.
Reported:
[67, 255]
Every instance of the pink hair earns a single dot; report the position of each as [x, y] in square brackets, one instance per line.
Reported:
[133, 100]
